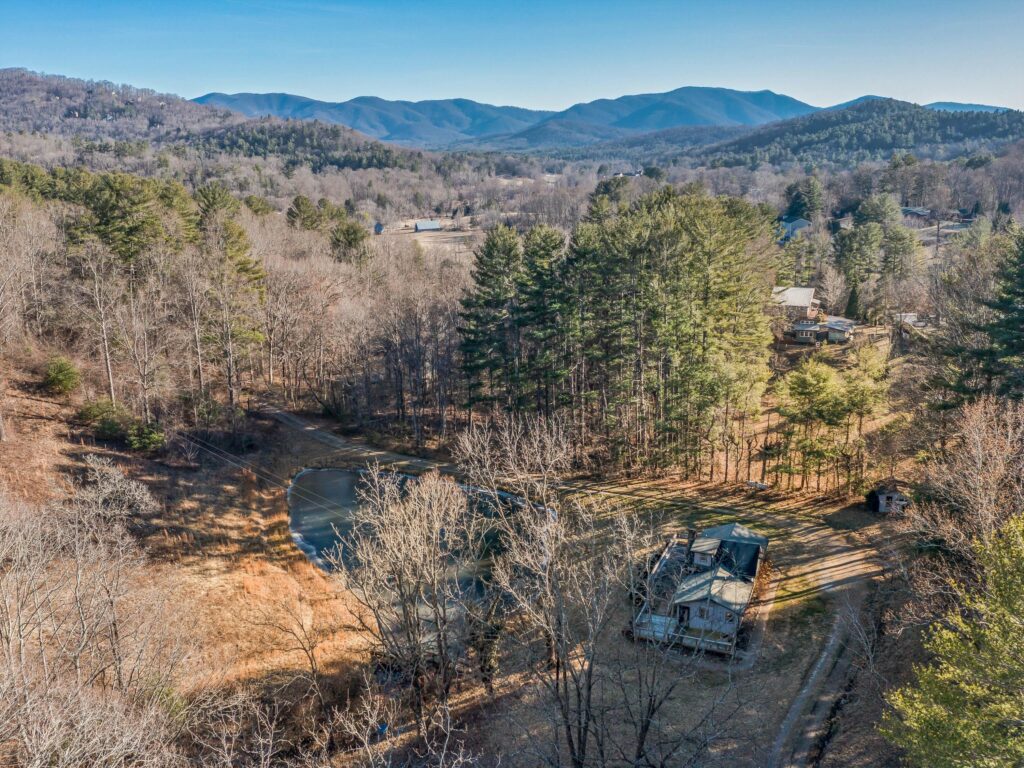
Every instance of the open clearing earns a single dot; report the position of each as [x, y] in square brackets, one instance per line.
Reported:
[221, 545]
[821, 557]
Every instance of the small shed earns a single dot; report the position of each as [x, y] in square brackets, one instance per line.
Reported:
[888, 497]
[428, 225]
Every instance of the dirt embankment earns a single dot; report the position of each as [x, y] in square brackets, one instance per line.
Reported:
[219, 542]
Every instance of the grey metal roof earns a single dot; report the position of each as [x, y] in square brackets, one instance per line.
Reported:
[717, 586]
[840, 324]
[735, 532]
[428, 225]
[705, 544]
[793, 296]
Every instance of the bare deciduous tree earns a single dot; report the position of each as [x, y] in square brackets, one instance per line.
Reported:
[833, 288]
[86, 653]
[979, 483]
[406, 562]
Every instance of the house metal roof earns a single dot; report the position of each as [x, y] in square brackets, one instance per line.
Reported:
[735, 532]
[428, 225]
[793, 296]
[704, 544]
[840, 323]
[717, 586]
[740, 557]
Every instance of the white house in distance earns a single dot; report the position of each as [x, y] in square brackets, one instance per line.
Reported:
[697, 589]
[427, 225]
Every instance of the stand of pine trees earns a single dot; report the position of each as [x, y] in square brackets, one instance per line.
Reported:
[646, 331]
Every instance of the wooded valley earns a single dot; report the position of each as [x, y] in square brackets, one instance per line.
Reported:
[584, 358]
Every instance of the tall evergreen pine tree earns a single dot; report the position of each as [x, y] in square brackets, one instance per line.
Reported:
[490, 346]
[1006, 329]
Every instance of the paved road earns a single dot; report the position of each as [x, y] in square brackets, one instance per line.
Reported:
[841, 566]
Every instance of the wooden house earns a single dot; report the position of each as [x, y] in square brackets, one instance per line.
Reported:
[795, 302]
[698, 589]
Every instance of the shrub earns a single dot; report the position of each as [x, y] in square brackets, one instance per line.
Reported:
[110, 421]
[146, 437]
[62, 377]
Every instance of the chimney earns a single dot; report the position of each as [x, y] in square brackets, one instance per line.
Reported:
[691, 535]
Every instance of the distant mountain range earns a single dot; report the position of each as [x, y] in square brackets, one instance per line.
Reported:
[466, 124]
[700, 127]
[461, 123]
[432, 124]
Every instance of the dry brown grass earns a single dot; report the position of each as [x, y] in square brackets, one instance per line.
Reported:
[219, 544]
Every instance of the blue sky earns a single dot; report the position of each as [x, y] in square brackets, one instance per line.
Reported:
[530, 53]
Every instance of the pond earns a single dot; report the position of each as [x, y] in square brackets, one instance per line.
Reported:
[321, 505]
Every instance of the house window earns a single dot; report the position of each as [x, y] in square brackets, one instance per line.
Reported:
[702, 612]
[729, 617]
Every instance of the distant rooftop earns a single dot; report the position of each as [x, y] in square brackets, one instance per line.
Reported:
[793, 296]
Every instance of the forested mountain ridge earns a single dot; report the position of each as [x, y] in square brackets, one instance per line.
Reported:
[873, 129]
[465, 124]
[460, 122]
[314, 144]
[103, 119]
[435, 123]
[32, 102]
[721, 127]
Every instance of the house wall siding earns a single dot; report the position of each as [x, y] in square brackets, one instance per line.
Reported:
[715, 619]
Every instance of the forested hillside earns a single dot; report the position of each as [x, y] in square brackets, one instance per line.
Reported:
[50, 104]
[315, 145]
[870, 130]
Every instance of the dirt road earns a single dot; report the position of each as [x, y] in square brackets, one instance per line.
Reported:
[833, 563]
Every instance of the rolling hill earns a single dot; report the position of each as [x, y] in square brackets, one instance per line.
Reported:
[34, 103]
[871, 129]
[955, 106]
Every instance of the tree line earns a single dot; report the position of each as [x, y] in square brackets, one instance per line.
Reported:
[646, 329]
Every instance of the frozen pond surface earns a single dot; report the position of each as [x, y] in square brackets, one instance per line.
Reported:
[321, 503]
[321, 506]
